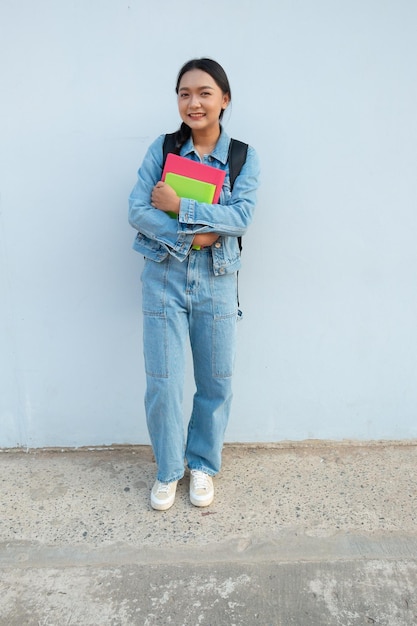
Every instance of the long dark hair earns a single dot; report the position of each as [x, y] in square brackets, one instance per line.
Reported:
[220, 78]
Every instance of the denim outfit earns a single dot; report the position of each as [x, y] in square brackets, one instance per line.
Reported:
[190, 295]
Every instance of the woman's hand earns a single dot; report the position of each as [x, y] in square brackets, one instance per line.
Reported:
[204, 240]
[165, 199]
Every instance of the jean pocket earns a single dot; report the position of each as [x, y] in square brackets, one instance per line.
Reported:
[155, 344]
[224, 345]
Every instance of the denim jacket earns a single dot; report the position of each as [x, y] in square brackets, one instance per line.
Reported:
[160, 235]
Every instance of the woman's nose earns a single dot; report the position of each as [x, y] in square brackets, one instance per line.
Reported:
[195, 101]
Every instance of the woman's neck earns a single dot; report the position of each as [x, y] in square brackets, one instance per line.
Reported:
[205, 143]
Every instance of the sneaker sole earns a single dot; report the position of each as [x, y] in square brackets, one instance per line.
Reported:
[162, 506]
[201, 503]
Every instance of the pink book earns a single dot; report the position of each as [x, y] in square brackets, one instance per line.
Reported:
[176, 164]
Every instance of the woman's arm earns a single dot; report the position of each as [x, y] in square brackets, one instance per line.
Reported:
[231, 218]
[151, 222]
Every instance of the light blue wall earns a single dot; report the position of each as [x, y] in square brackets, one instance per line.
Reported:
[327, 92]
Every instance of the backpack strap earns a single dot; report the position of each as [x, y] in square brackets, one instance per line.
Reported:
[169, 145]
[237, 156]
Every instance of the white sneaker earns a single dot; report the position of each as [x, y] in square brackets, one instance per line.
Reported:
[201, 488]
[163, 495]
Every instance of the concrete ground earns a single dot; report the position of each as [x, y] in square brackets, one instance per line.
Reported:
[310, 534]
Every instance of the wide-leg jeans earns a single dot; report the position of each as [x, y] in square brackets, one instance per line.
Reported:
[185, 301]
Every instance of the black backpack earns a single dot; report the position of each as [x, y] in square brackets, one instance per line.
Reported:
[236, 158]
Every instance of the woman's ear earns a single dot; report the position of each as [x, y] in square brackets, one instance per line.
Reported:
[226, 100]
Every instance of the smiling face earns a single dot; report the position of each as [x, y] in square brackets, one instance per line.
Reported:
[201, 101]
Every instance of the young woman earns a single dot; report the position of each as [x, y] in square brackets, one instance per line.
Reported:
[189, 287]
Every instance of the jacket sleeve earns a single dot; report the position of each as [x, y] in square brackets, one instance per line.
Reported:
[154, 224]
[235, 212]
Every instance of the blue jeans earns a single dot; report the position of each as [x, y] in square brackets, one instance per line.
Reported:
[185, 301]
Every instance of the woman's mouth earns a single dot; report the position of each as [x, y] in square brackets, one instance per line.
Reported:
[196, 116]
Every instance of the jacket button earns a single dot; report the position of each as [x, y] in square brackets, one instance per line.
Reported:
[217, 244]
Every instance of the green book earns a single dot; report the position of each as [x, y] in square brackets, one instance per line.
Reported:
[186, 187]
[192, 179]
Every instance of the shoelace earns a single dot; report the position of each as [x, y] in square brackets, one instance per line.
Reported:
[163, 488]
[200, 479]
